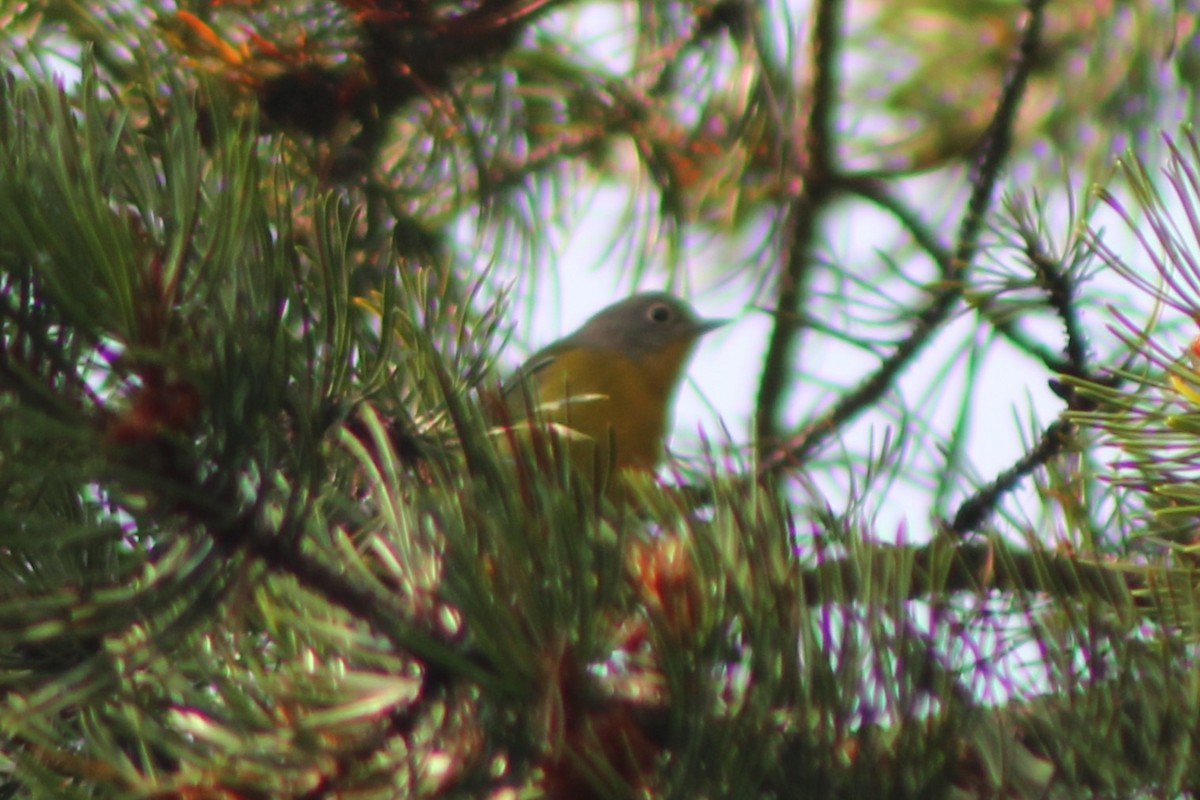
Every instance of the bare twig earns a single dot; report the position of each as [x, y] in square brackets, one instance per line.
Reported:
[946, 294]
[875, 191]
[801, 221]
[977, 508]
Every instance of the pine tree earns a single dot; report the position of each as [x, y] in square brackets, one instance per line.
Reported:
[261, 538]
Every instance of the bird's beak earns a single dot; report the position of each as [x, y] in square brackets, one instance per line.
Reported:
[706, 325]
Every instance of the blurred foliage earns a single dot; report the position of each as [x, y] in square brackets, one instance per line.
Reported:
[258, 539]
[1098, 79]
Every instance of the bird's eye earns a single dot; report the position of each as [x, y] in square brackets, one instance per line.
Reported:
[659, 312]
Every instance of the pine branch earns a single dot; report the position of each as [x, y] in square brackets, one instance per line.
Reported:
[817, 173]
[973, 512]
[929, 320]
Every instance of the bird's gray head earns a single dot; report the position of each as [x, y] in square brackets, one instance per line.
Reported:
[643, 324]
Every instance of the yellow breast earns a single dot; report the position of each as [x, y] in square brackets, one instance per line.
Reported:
[619, 404]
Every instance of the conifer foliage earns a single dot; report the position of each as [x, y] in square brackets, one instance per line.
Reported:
[260, 536]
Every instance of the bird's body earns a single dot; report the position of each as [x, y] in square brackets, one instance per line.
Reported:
[612, 382]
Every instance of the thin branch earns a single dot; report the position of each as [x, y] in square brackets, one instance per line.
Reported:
[929, 320]
[801, 224]
[278, 551]
[875, 191]
[1061, 292]
[998, 140]
[975, 511]
[1008, 328]
[280, 554]
[941, 567]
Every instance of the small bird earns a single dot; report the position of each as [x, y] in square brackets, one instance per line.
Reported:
[612, 382]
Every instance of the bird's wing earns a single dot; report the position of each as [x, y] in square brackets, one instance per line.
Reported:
[517, 393]
[536, 363]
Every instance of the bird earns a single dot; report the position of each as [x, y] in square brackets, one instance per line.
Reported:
[612, 383]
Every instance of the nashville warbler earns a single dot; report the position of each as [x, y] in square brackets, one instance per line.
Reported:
[612, 383]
